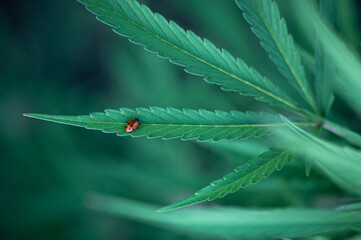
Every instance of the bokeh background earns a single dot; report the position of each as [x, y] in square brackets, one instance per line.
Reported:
[56, 58]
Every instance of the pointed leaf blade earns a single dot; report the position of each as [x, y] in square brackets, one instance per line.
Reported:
[249, 173]
[169, 123]
[199, 56]
[271, 29]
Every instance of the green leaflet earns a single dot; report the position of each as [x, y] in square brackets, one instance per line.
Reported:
[249, 173]
[271, 29]
[171, 123]
[230, 222]
[324, 79]
[325, 71]
[184, 48]
[341, 164]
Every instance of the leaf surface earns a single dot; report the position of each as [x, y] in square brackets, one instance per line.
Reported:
[198, 56]
[271, 29]
[170, 123]
[248, 173]
[228, 222]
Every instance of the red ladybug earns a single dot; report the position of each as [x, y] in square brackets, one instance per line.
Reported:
[132, 125]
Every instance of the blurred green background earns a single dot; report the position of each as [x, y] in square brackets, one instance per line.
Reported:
[57, 58]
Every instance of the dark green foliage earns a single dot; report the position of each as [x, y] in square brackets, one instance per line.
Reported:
[58, 59]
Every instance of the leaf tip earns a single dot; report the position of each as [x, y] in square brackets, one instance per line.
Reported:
[35, 115]
[165, 209]
[30, 115]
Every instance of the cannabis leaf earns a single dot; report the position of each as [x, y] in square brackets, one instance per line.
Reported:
[249, 173]
[271, 29]
[184, 48]
[171, 123]
[228, 222]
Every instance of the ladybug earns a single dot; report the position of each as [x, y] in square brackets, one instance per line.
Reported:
[132, 125]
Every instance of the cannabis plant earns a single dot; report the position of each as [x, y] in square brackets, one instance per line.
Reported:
[298, 121]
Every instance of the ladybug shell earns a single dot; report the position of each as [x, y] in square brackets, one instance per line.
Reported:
[132, 125]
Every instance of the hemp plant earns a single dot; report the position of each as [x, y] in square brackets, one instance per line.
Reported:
[298, 118]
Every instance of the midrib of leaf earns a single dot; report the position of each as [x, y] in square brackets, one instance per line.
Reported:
[284, 101]
[303, 88]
